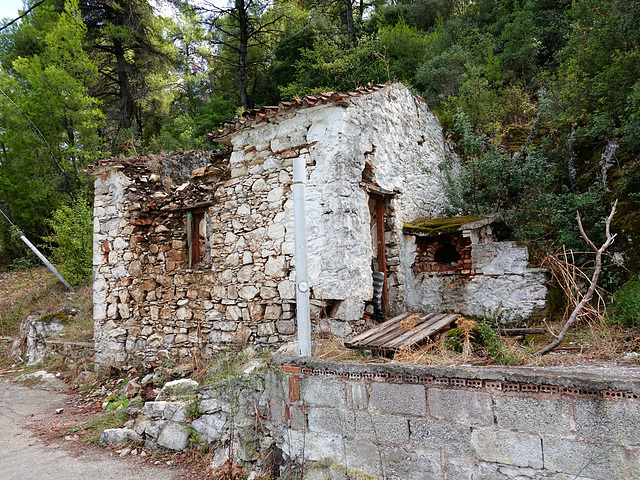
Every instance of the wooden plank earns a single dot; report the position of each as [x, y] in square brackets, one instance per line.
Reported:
[379, 329]
[391, 335]
[427, 330]
[385, 335]
[418, 332]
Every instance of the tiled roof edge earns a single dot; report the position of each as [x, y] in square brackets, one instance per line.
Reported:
[257, 115]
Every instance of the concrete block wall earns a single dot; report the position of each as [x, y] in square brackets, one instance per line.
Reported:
[396, 422]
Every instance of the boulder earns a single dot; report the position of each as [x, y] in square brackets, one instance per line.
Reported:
[210, 427]
[112, 436]
[177, 389]
[35, 330]
[174, 436]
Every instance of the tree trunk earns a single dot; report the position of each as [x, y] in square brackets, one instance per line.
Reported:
[351, 29]
[125, 93]
[243, 24]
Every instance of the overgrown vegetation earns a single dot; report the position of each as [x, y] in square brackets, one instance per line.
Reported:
[73, 239]
[24, 292]
[625, 305]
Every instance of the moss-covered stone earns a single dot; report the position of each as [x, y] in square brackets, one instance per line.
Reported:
[438, 226]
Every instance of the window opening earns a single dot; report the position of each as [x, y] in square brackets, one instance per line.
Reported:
[196, 238]
[447, 255]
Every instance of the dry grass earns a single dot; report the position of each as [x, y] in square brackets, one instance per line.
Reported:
[333, 348]
[24, 292]
[573, 280]
[80, 327]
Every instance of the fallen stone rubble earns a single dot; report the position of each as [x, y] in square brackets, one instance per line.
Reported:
[229, 417]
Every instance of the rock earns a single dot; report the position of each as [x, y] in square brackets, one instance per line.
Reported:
[176, 411]
[253, 365]
[210, 405]
[210, 427]
[177, 389]
[113, 436]
[124, 452]
[289, 348]
[131, 389]
[181, 370]
[242, 334]
[35, 330]
[174, 436]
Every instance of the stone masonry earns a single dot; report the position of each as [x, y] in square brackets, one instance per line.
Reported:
[155, 301]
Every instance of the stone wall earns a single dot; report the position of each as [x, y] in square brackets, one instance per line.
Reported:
[493, 282]
[77, 352]
[347, 420]
[149, 306]
[152, 303]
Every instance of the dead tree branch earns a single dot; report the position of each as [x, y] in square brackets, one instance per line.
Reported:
[594, 279]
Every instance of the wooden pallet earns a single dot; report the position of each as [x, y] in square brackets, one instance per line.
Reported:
[405, 330]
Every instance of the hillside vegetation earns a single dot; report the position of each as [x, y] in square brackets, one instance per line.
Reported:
[541, 99]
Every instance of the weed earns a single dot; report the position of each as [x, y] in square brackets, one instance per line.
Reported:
[94, 428]
[495, 348]
[117, 403]
[624, 308]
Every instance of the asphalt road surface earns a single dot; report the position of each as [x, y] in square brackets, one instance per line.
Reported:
[24, 456]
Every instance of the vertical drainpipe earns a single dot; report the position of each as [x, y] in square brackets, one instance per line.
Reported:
[300, 243]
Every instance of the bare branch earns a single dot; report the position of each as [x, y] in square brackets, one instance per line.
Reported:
[594, 279]
[22, 16]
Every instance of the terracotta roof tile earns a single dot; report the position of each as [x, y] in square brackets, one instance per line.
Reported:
[256, 115]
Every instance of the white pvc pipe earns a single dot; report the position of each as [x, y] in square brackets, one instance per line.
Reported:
[300, 243]
[45, 261]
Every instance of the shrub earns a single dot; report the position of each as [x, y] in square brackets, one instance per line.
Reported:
[625, 305]
[73, 238]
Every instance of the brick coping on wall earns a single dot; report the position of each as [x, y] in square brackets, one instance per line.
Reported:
[608, 383]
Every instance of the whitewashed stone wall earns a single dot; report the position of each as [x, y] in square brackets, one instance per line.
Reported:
[499, 286]
[406, 147]
[150, 307]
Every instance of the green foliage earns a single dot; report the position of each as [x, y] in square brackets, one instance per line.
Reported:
[333, 66]
[526, 188]
[181, 133]
[624, 307]
[495, 348]
[49, 123]
[73, 238]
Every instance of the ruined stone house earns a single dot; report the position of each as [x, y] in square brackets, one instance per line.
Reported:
[195, 249]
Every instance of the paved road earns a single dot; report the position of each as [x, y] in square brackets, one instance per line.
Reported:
[25, 457]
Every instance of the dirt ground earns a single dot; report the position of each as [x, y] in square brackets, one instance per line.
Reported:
[33, 444]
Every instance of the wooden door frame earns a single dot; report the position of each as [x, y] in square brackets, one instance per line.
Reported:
[382, 248]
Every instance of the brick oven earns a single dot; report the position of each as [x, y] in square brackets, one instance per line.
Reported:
[463, 265]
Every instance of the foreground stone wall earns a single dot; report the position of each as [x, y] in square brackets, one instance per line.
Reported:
[396, 422]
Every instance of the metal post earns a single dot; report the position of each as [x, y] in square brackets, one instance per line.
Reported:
[37, 252]
[300, 243]
[45, 261]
